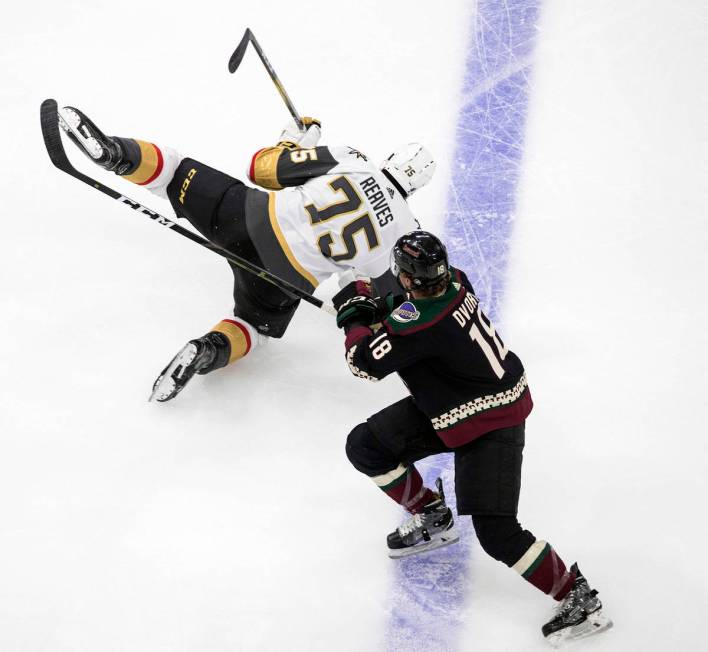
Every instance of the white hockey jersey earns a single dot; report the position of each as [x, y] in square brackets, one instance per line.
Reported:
[334, 210]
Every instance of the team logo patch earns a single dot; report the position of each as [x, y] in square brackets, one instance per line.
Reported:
[405, 312]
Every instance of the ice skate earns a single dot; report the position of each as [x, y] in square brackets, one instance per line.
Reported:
[103, 150]
[578, 615]
[194, 357]
[198, 356]
[432, 528]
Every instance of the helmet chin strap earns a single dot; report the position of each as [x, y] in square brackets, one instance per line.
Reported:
[395, 183]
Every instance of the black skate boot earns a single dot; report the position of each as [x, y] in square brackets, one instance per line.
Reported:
[578, 615]
[432, 528]
[119, 155]
[197, 357]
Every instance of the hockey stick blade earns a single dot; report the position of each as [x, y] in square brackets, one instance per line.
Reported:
[237, 56]
[50, 133]
[49, 119]
[235, 62]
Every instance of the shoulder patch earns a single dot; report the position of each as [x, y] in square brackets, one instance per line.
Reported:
[405, 312]
[412, 317]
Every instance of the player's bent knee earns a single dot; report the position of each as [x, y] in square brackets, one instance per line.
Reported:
[502, 537]
[366, 454]
[356, 447]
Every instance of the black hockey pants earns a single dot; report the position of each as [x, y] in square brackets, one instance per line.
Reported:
[487, 470]
[215, 204]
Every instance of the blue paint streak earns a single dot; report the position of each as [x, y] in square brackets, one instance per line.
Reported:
[429, 591]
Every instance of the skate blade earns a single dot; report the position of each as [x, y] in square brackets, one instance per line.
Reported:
[165, 386]
[163, 391]
[595, 623]
[70, 122]
[445, 539]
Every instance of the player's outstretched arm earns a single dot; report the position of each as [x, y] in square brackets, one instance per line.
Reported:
[294, 160]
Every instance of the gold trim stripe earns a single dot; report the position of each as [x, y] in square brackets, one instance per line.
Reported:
[149, 162]
[265, 168]
[238, 337]
[284, 243]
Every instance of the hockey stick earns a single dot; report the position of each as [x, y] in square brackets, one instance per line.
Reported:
[235, 62]
[52, 140]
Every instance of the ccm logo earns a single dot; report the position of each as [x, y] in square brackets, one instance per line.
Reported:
[146, 211]
[185, 184]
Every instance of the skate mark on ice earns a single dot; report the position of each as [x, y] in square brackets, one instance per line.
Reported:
[428, 593]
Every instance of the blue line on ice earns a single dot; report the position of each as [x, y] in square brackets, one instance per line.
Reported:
[428, 592]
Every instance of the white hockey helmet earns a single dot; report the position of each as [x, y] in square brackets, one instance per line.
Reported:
[411, 166]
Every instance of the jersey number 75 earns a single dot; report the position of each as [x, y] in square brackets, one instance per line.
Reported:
[344, 239]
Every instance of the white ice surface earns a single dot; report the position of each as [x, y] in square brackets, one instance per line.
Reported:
[606, 306]
[230, 519]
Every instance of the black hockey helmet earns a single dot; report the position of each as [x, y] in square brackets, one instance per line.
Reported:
[422, 256]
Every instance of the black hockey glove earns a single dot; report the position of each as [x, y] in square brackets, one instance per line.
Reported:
[358, 288]
[358, 310]
[356, 305]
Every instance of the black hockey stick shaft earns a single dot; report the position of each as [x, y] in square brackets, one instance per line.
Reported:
[235, 62]
[55, 149]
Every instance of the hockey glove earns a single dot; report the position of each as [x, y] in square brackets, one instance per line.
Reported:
[307, 138]
[358, 310]
[360, 287]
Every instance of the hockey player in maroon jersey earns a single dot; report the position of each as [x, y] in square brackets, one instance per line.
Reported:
[468, 395]
[330, 211]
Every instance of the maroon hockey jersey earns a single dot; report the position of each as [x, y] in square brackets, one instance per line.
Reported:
[458, 370]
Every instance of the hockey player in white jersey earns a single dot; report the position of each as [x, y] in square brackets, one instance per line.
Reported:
[329, 210]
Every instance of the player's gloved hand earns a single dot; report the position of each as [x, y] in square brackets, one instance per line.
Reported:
[358, 287]
[305, 138]
[358, 310]
[356, 305]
